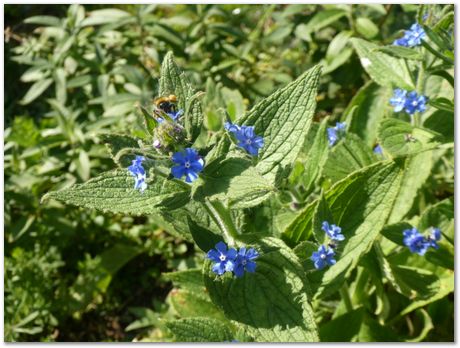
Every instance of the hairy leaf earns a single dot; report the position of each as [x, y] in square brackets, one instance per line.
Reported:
[272, 303]
[400, 138]
[283, 120]
[346, 157]
[173, 81]
[114, 192]
[382, 68]
[199, 330]
[235, 181]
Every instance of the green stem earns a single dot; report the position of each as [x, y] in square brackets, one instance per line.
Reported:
[221, 216]
[346, 297]
[420, 87]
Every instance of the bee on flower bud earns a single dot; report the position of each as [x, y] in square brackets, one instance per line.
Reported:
[166, 104]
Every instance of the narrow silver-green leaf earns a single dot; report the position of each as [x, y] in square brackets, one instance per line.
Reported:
[271, 304]
[36, 90]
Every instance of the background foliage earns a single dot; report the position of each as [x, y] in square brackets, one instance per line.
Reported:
[73, 73]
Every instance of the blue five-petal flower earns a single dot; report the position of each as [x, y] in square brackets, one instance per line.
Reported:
[245, 261]
[334, 134]
[415, 241]
[323, 257]
[333, 231]
[411, 102]
[247, 139]
[412, 37]
[224, 260]
[137, 170]
[189, 163]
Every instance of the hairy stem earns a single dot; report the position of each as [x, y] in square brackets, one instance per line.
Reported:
[221, 216]
[346, 297]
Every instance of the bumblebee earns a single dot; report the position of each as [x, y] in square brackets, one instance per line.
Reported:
[166, 104]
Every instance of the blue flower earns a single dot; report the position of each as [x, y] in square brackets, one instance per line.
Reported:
[412, 37]
[173, 114]
[224, 260]
[434, 237]
[137, 170]
[378, 149]
[323, 257]
[415, 241]
[333, 231]
[246, 137]
[245, 261]
[189, 163]
[399, 99]
[336, 133]
[232, 128]
[415, 103]
[411, 102]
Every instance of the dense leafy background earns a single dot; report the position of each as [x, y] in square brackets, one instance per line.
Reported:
[74, 73]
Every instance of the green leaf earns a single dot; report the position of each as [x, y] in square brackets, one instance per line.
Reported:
[283, 120]
[304, 250]
[441, 122]
[117, 142]
[338, 52]
[446, 286]
[272, 303]
[191, 304]
[360, 205]
[416, 172]
[301, 227]
[114, 192]
[382, 68]
[322, 213]
[394, 232]
[400, 138]
[415, 283]
[313, 161]
[150, 123]
[36, 90]
[173, 81]
[401, 52]
[366, 27]
[440, 215]
[104, 16]
[204, 238]
[49, 21]
[320, 20]
[442, 104]
[371, 106]
[333, 331]
[235, 181]
[349, 155]
[191, 279]
[199, 330]
[60, 78]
